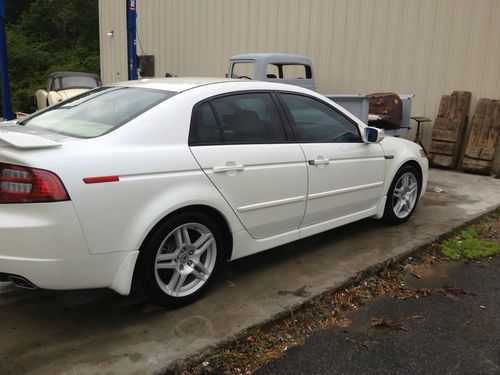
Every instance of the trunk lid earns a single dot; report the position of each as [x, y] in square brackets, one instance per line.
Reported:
[23, 137]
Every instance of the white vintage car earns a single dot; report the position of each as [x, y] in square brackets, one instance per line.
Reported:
[162, 180]
[65, 85]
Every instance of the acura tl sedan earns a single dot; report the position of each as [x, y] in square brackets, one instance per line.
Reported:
[160, 181]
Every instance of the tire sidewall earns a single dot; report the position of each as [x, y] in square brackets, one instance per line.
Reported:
[389, 215]
[148, 253]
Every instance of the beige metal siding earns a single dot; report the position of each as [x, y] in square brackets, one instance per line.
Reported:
[113, 18]
[425, 47]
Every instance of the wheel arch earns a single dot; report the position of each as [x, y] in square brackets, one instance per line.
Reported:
[393, 168]
[417, 166]
[218, 217]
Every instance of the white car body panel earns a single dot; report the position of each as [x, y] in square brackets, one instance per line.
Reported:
[350, 181]
[400, 151]
[32, 235]
[94, 239]
[263, 211]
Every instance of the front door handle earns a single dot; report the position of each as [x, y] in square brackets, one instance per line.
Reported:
[318, 161]
[228, 168]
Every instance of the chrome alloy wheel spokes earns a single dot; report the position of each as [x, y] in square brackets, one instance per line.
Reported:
[405, 195]
[185, 259]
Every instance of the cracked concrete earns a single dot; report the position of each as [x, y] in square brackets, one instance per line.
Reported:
[98, 331]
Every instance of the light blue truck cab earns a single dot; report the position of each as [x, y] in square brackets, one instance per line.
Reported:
[298, 70]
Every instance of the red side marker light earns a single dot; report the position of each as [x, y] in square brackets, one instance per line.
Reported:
[100, 180]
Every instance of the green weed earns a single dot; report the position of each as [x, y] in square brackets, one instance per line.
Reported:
[467, 245]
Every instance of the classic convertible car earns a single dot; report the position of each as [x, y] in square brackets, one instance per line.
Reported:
[65, 85]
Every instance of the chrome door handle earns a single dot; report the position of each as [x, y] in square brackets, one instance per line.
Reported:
[318, 161]
[228, 168]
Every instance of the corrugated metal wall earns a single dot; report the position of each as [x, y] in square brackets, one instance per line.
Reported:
[425, 47]
[113, 48]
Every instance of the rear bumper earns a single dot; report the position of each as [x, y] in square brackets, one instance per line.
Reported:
[44, 244]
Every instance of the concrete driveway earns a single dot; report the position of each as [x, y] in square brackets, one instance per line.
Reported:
[98, 331]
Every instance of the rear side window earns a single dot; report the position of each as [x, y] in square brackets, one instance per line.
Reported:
[288, 71]
[235, 119]
[314, 121]
[243, 70]
[97, 112]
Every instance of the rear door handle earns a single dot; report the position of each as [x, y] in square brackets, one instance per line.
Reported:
[228, 168]
[318, 161]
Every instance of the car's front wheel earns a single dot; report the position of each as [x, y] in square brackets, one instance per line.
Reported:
[402, 196]
[180, 259]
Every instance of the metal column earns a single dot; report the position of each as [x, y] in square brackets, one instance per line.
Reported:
[131, 39]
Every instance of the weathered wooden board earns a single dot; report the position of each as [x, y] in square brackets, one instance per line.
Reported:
[483, 138]
[444, 148]
[448, 131]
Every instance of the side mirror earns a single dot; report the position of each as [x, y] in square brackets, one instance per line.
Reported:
[373, 135]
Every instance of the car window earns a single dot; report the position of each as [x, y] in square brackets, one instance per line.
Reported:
[96, 112]
[206, 130]
[71, 82]
[315, 121]
[239, 118]
[288, 71]
[243, 69]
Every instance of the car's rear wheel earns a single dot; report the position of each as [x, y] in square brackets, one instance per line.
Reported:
[180, 259]
[403, 195]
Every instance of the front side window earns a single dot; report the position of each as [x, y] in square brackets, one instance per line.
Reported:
[96, 112]
[314, 121]
[235, 119]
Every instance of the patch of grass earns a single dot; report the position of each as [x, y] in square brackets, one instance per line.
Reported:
[469, 245]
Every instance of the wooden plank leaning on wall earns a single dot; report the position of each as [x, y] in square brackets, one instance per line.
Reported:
[483, 138]
[449, 128]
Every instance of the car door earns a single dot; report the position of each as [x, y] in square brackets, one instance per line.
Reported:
[346, 175]
[241, 144]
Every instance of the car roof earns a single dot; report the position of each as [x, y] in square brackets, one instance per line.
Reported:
[175, 84]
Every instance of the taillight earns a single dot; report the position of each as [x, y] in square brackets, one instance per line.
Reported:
[29, 185]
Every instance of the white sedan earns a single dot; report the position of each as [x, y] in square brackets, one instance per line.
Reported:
[160, 181]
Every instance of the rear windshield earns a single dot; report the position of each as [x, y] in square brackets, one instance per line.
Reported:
[97, 112]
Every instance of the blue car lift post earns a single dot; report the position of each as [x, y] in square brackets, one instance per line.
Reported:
[6, 107]
[131, 39]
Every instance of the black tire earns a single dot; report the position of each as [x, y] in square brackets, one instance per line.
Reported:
[154, 282]
[390, 215]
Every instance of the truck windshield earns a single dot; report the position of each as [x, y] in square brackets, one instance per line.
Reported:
[71, 82]
[97, 112]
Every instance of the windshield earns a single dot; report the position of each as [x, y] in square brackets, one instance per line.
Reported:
[97, 112]
[70, 82]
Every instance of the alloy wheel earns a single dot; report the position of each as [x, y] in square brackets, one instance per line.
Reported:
[405, 195]
[185, 259]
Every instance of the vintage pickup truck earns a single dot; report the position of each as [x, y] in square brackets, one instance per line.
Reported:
[298, 70]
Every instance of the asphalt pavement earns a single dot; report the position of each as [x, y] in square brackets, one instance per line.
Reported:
[437, 334]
